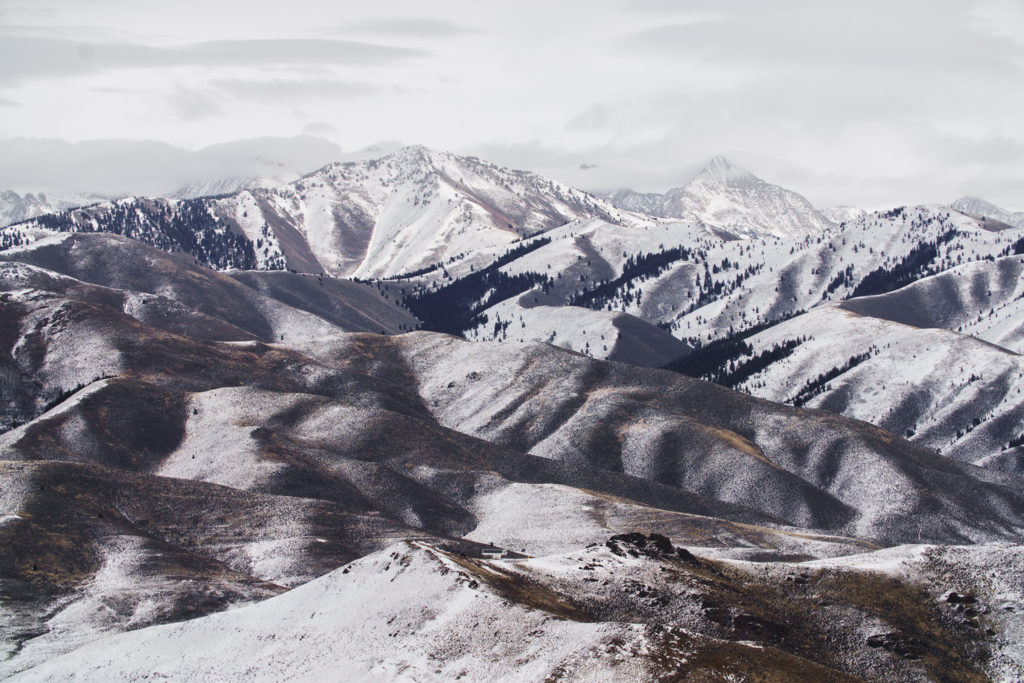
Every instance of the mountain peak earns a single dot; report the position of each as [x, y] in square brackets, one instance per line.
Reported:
[730, 198]
[722, 171]
[412, 153]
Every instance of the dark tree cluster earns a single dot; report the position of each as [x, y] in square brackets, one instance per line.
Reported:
[711, 360]
[819, 384]
[914, 266]
[721, 361]
[458, 306]
[12, 238]
[710, 289]
[414, 273]
[738, 373]
[842, 279]
[637, 268]
[187, 226]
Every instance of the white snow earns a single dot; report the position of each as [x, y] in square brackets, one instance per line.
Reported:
[402, 613]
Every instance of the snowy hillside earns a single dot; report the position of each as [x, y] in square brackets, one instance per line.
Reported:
[182, 443]
[633, 609]
[981, 208]
[947, 391]
[926, 266]
[843, 214]
[409, 210]
[415, 208]
[697, 285]
[232, 185]
[15, 208]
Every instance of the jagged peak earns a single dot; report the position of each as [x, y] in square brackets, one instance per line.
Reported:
[720, 170]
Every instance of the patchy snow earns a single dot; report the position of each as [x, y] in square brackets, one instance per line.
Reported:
[401, 613]
[948, 391]
[218, 446]
[537, 519]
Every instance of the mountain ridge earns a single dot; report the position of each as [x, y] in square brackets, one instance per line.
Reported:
[730, 198]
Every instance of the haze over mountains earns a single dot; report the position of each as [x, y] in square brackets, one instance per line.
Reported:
[180, 438]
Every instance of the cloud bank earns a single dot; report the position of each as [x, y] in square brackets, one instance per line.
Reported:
[871, 103]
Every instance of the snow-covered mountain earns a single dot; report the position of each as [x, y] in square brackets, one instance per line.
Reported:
[981, 208]
[412, 209]
[175, 470]
[843, 214]
[928, 266]
[227, 465]
[223, 186]
[702, 287]
[950, 392]
[15, 208]
[576, 272]
[409, 210]
[732, 200]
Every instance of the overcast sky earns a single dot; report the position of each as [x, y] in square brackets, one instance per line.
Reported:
[871, 103]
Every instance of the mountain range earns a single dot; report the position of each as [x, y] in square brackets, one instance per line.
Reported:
[236, 426]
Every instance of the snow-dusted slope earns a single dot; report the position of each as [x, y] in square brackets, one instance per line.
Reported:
[937, 361]
[700, 286]
[948, 391]
[635, 609]
[578, 411]
[15, 208]
[705, 288]
[406, 613]
[170, 477]
[268, 306]
[231, 185]
[399, 213]
[979, 207]
[843, 214]
[734, 201]
[417, 207]
[984, 299]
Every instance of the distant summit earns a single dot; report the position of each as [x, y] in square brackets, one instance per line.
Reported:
[729, 198]
[723, 171]
[15, 207]
[984, 209]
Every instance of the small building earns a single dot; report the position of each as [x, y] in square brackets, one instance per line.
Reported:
[493, 553]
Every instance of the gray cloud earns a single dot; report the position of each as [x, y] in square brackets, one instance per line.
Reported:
[320, 129]
[195, 104]
[292, 89]
[150, 167]
[813, 36]
[876, 103]
[410, 27]
[23, 58]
